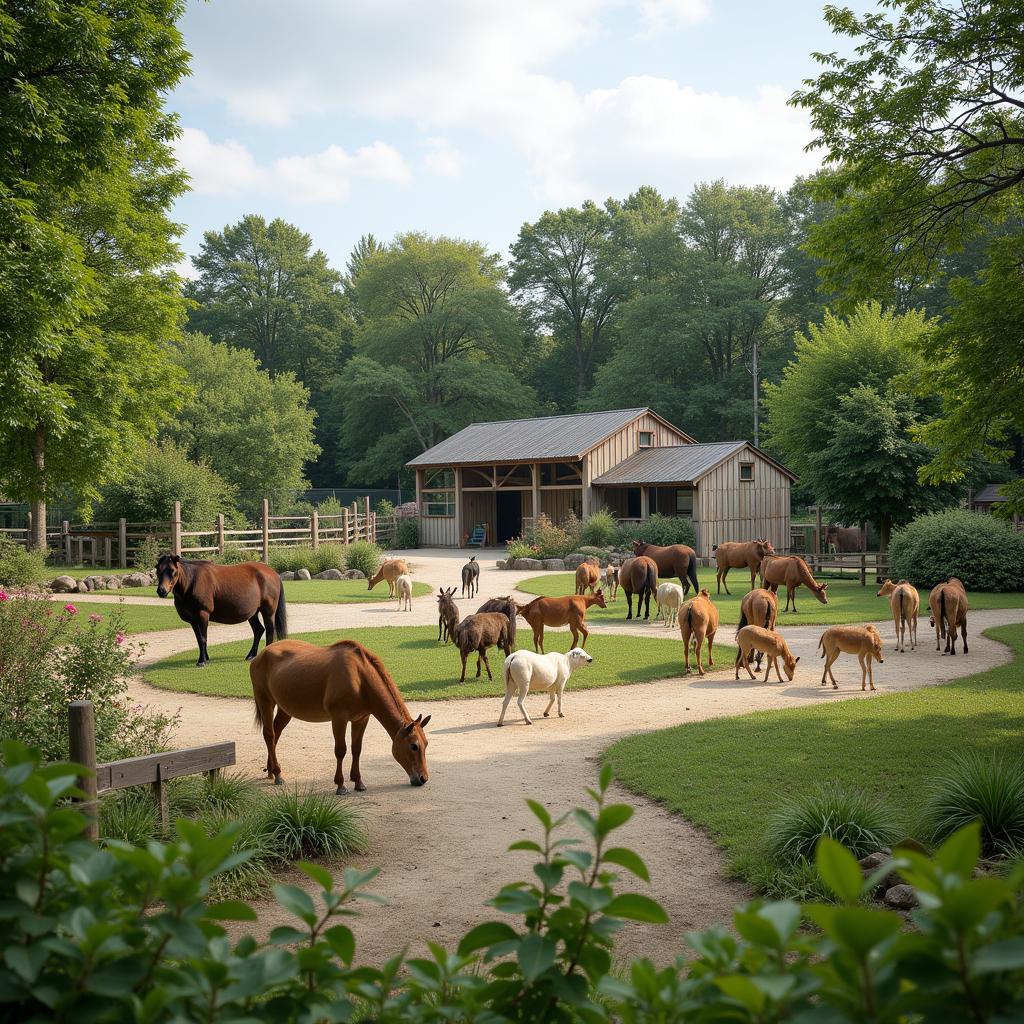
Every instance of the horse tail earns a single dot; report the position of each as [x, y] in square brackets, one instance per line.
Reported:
[942, 613]
[742, 622]
[281, 617]
[903, 604]
[691, 572]
[767, 614]
[652, 579]
[689, 616]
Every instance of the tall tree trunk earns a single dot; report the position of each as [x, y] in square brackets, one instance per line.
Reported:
[37, 538]
[884, 532]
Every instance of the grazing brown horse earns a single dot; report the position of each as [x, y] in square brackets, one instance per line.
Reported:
[587, 577]
[390, 571]
[735, 554]
[338, 684]
[561, 611]
[792, 572]
[698, 618]
[639, 576]
[676, 560]
[759, 607]
[205, 592]
[948, 604]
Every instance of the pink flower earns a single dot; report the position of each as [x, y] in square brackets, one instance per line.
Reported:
[95, 618]
[121, 637]
[70, 609]
[4, 596]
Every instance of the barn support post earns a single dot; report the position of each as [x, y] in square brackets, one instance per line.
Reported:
[314, 529]
[266, 530]
[460, 516]
[535, 488]
[82, 750]
[220, 533]
[818, 538]
[645, 503]
[122, 543]
[176, 529]
[65, 545]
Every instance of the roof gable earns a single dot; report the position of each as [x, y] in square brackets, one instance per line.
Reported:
[678, 464]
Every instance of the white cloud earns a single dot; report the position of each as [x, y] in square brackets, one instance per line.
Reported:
[229, 169]
[442, 159]
[663, 15]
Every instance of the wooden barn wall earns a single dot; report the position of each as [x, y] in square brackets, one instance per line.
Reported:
[438, 532]
[626, 442]
[478, 507]
[556, 504]
[612, 498]
[726, 508]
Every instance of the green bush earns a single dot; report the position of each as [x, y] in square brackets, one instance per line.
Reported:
[330, 507]
[658, 529]
[18, 566]
[122, 933]
[986, 553]
[364, 556]
[235, 554]
[384, 507]
[521, 549]
[408, 533]
[985, 789]
[855, 819]
[146, 554]
[600, 530]
[295, 824]
[305, 556]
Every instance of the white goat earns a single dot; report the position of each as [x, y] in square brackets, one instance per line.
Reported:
[611, 580]
[403, 587]
[525, 671]
[670, 597]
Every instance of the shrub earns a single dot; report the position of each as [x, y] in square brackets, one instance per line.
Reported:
[147, 553]
[330, 507]
[18, 566]
[986, 553]
[549, 541]
[408, 536]
[234, 554]
[295, 824]
[658, 529]
[305, 556]
[860, 823]
[128, 934]
[521, 549]
[986, 789]
[600, 530]
[384, 507]
[364, 556]
[47, 662]
[130, 816]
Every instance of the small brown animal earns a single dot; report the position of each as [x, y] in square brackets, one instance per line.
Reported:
[477, 633]
[560, 611]
[791, 571]
[948, 604]
[734, 555]
[771, 644]
[639, 576]
[905, 602]
[864, 641]
[698, 618]
[759, 607]
[506, 606]
[611, 580]
[471, 577]
[447, 614]
[587, 577]
[390, 571]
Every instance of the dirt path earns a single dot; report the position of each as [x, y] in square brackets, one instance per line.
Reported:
[442, 848]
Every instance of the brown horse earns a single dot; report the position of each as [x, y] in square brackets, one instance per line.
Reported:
[561, 611]
[338, 684]
[948, 604]
[698, 618]
[759, 607]
[390, 571]
[736, 554]
[675, 560]
[205, 592]
[791, 571]
[639, 576]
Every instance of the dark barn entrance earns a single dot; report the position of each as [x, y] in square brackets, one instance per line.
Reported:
[508, 515]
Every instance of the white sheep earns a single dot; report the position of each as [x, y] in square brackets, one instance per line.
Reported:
[403, 587]
[669, 597]
[525, 671]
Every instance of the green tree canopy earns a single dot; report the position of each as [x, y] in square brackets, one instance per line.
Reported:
[87, 177]
[254, 430]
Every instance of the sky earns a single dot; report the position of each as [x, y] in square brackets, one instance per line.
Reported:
[470, 117]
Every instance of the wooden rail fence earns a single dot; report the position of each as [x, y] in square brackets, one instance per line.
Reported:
[153, 770]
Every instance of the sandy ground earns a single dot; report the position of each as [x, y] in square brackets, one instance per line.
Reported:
[442, 848]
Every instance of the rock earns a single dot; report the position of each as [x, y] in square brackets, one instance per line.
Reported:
[529, 563]
[554, 564]
[287, 575]
[96, 582]
[83, 587]
[872, 861]
[901, 897]
[350, 574]
[573, 561]
[303, 574]
[114, 583]
[329, 574]
[64, 585]
[135, 579]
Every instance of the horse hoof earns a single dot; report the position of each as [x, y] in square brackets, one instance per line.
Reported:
[200, 664]
[529, 723]
[546, 714]
[560, 715]
[360, 788]
[278, 781]
[500, 724]
[250, 657]
[341, 791]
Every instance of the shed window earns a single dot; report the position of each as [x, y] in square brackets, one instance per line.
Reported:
[646, 439]
[438, 494]
[684, 501]
[746, 471]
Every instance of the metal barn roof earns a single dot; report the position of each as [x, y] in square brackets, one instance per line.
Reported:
[677, 464]
[990, 493]
[542, 437]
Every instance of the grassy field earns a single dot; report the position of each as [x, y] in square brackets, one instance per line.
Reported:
[730, 775]
[848, 601]
[134, 618]
[427, 670]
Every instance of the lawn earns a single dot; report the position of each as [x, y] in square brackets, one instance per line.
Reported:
[134, 618]
[848, 601]
[427, 670]
[730, 775]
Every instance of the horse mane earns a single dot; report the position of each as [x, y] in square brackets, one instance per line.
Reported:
[805, 574]
[374, 661]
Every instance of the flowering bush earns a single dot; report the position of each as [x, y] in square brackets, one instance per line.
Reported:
[51, 655]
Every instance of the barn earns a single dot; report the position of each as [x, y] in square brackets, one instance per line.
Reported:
[631, 461]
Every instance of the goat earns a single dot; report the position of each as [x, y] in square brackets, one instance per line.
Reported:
[477, 633]
[471, 577]
[447, 614]
[611, 580]
[403, 586]
[525, 671]
[669, 597]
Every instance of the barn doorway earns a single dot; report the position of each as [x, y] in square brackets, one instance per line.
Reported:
[508, 515]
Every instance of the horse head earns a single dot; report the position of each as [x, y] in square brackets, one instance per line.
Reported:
[639, 547]
[886, 588]
[170, 571]
[409, 749]
[820, 594]
[599, 598]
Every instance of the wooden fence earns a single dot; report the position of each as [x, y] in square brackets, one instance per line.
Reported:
[153, 770]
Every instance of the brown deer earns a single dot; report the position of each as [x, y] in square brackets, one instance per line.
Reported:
[735, 555]
[905, 602]
[390, 571]
[948, 604]
[698, 618]
[864, 641]
[773, 645]
[587, 577]
[792, 572]
[560, 611]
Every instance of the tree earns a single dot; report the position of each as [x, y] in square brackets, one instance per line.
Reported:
[563, 268]
[254, 430]
[87, 177]
[438, 347]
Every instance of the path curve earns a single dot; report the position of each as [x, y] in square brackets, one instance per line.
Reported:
[442, 848]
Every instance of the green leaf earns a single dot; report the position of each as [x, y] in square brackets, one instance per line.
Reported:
[839, 869]
[756, 929]
[320, 875]
[230, 910]
[857, 929]
[540, 812]
[485, 935]
[635, 907]
[527, 844]
[612, 817]
[297, 900]
[960, 852]
[606, 776]
[594, 899]
[536, 954]
[1007, 955]
[342, 941]
[743, 990]
[784, 916]
[627, 859]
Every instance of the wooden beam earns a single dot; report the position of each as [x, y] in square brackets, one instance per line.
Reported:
[460, 527]
[535, 488]
[154, 768]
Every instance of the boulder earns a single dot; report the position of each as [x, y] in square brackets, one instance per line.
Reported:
[529, 563]
[83, 587]
[64, 585]
[901, 897]
[302, 574]
[329, 574]
[114, 583]
[96, 582]
[136, 579]
[350, 574]
[554, 564]
[287, 575]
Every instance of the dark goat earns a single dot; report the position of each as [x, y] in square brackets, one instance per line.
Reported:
[471, 577]
[506, 606]
[447, 614]
[477, 633]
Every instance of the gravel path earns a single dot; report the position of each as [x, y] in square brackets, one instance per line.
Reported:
[442, 848]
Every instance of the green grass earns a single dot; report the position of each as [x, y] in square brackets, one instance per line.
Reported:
[731, 775]
[848, 601]
[427, 670]
[136, 618]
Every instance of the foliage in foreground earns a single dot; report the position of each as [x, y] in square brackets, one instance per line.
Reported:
[18, 566]
[124, 933]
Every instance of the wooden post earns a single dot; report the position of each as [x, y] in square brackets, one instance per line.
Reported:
[863, 569]
[82, 750]
[108, 552]
[28, 530]
[314, 529]
[122, 543]
[344, 526]
[220, 533]
[65, 533]
[160, 796]
[81, 551]
[266, 530]
[817, 530]
[645, 503]
[368, 532]
[176, 529]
